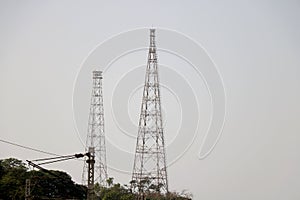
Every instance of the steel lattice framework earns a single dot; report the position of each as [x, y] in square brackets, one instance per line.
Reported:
[95, 143]
[149, 171]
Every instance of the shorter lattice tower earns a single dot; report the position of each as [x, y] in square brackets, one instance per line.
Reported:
[95, 142]
[149, 171]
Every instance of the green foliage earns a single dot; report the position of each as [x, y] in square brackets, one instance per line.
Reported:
[113, 192]
[59, 185]
[56, 184]
[119, 192]
[12, 179]
[44, 185]
[110, 181]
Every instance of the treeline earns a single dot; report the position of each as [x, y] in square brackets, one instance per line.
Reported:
[59, 185]
[43, 185]
[124, 192]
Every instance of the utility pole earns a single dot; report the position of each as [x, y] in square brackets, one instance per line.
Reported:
[27, 189]
[95, 143]
[149, 170]
[91, 166]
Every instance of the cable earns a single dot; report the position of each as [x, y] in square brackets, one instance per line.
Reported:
[63, 159]
[55, 158]
[33, 149]
[29, 148]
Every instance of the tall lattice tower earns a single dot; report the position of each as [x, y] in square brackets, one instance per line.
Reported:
[149, 171]
[95, 143]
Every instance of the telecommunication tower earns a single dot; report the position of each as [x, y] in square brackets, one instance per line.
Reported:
[95, 143]
[149, 170]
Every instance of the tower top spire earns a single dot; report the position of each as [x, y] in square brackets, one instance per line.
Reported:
[152, 39]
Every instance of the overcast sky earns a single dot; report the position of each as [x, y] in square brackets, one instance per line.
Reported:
[255, 45]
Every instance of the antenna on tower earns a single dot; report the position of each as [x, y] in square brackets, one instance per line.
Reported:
[95, 142]
[149, 170]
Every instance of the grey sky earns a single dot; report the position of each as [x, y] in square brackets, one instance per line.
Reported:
[255, 45]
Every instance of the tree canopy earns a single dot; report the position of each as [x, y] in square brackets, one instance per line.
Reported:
[51, 184]
[44, 185]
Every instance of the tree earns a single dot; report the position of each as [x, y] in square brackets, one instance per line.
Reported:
[110, 181]
[51, 184]
[56, 184]
[45, 184]
[13, 175]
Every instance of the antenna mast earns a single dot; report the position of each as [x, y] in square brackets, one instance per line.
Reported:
[149, 171]
[95, 143]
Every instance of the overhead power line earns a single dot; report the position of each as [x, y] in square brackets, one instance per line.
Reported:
[28, 148]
